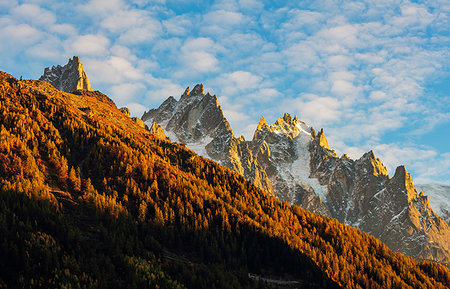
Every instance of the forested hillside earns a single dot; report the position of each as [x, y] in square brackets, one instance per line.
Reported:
[88, 199]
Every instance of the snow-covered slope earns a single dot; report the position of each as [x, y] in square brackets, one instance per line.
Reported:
[292, 161]
[439, 199]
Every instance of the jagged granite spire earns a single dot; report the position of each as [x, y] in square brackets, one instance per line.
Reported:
[69, 77]
[197, 120]
[158, 131]
[288, 158]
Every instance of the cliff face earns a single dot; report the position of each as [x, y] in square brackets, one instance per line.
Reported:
[198, 121]
[292, 161]
[361, 194]
[69, 77]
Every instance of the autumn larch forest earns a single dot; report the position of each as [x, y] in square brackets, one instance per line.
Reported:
[89, 199]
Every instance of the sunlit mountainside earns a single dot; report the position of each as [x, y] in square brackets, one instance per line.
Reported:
[91, 199]
[292, 161]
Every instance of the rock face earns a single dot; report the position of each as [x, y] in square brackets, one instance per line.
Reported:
[69, 77]
[158, 131]
[439, 199]
[139, 122]
[292, 161]
[197, 121]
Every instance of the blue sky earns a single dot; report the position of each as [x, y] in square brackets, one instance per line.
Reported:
[374, 74]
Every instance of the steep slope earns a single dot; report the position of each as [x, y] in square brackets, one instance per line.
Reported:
[69, 77]
[197, 121]
[89, 199]
[297, 165]
[439, 199]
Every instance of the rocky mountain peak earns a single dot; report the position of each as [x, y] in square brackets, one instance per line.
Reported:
[186, 92]
[262, 126]
[403, 183]
[158, 131]
[198, 90]
[345, 157]
[287, 118]
[291, 127]
[290, 160]
[374, 165]
[69, 77]
[320, 138]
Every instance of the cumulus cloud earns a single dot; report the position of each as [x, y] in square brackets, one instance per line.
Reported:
[88, 45]
[33, 14]
[219, 22]
[125, 93]
[198, 55]
[133, 26]
[8, 3]
[315, 109]
[14, 38]
[113, 70]
[160, 89]
[362, 70]
[102, 7]
[136, 109]
[50, 48]
[239, 81]
[179, 25]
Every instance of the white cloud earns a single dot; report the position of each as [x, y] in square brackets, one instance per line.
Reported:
[378, 95]
[8, 3]
[220, 22]
[63, 29]
[33, 14]
[314, 109]
[198, 55]
[344, 36]
[340, 62]
[125, 93]
[412, 15]
[136, 109]
[252, 5]
[362, 70]
[133, 26]
[239, 81]
[265, 95]
[102, 7]
[223, 17]
[302, 57]
[113, 70]
[178, 25]
[49, 49]
[89, 45]
[200, 61]
[160, 89]
[343, 88]
[14, 38]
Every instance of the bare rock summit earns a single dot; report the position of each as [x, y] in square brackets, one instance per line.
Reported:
[68, 78]
[293, 162]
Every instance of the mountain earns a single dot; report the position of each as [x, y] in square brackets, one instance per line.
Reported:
[90, 199]
[69, 77]
[198, 121]
[291, 161]
[439, 199]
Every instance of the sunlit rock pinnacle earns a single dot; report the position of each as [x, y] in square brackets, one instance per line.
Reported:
[69, 77]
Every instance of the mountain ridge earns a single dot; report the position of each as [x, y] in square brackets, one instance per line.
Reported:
[68, 78]
[89, 198]
[291, 161]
